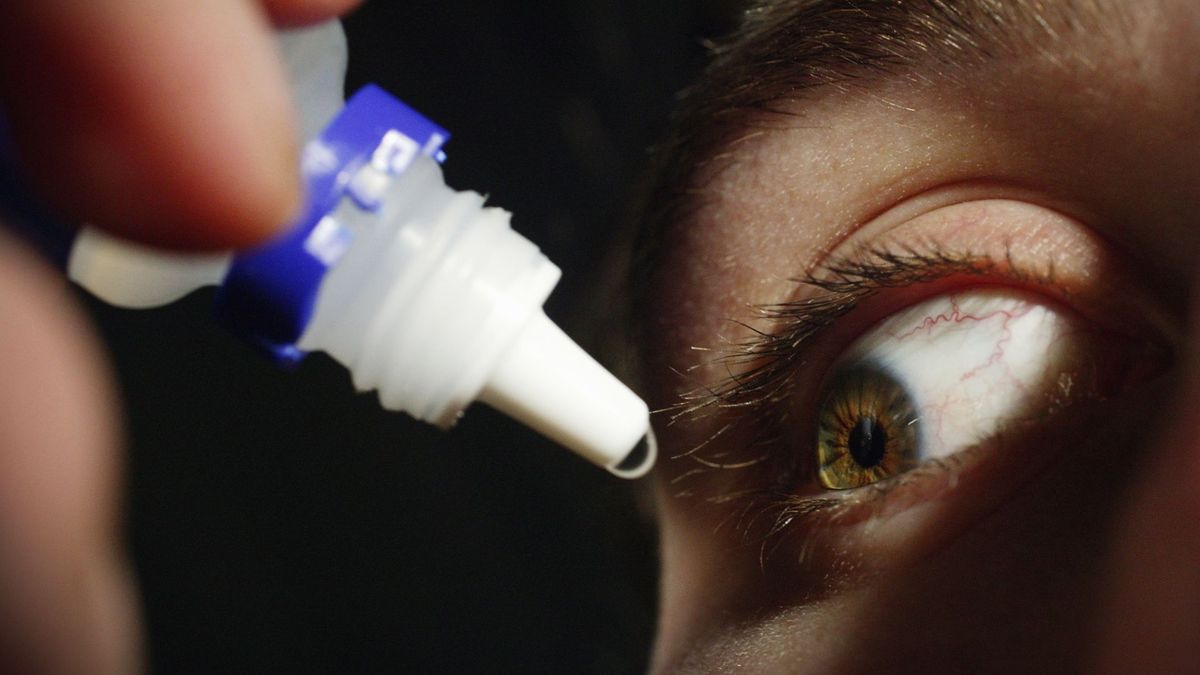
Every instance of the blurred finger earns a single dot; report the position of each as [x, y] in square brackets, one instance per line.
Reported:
[66, 604]
[167, 121]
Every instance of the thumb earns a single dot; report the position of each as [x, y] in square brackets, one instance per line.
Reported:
[66, 600]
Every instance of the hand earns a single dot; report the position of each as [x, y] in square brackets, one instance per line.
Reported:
[164, 121]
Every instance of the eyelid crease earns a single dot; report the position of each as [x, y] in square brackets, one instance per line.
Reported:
[912, 204]
[761, 368]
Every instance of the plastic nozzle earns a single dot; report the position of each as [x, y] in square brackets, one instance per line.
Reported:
[549, 383]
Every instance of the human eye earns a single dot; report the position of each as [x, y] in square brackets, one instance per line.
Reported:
[932, 352]
[950, 373]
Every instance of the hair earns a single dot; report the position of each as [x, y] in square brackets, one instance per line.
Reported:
[789, 50]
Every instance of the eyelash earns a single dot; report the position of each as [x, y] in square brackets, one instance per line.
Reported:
[764, 371]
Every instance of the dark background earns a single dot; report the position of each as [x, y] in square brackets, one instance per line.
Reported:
[280, 522]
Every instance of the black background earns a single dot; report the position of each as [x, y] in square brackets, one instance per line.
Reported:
[280, 522]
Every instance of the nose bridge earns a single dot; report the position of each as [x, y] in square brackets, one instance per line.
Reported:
[1152, 616]
[1150, 619]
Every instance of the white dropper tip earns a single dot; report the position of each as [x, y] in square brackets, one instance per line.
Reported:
[549, 383]
[640, 459]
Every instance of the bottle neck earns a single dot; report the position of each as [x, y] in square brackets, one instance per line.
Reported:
[432, 291]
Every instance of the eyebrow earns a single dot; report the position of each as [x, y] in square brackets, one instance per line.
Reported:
[787, 51]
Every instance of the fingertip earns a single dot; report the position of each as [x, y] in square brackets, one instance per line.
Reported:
[66, 601]
[110, 603]
[143, 196]
[235, 194]
[181, 135]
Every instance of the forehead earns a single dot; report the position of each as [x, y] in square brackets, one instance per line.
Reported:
[1080, 113]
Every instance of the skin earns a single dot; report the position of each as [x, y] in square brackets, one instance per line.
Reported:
[141, 99]
[1073, 547]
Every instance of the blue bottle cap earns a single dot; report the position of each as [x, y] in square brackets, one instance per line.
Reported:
[270, 291]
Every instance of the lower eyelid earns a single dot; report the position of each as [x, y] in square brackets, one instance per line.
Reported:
[878, 501]
[911, 515]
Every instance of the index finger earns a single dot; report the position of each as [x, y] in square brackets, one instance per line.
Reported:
[164, 121]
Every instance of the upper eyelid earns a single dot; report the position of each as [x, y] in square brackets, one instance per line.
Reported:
[758, 366]
[945, 232]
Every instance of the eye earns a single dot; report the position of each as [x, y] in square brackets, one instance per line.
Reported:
[948, 374]
[868, 428]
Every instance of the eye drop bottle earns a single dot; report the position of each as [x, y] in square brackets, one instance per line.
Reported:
[425, 294]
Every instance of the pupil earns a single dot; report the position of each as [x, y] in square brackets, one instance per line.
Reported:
[868, 442]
